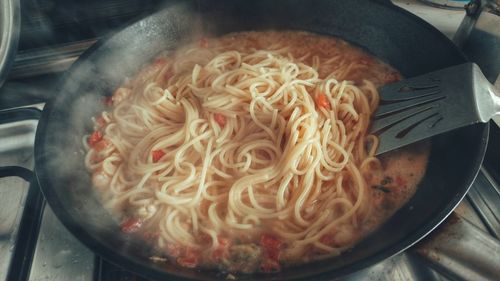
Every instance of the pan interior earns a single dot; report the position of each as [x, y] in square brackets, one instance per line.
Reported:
[380, 29]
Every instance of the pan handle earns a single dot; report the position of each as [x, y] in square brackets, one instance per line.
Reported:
[16, 171]
[14, 115]
[19, 114]
[461, 251]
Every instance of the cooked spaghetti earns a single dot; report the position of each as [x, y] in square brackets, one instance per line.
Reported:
[250, 151]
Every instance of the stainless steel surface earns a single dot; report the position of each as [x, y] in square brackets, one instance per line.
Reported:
[462, 251]
[401, 267]
[446, 4]
[58, 255]
[479, 37]
[447, 21]
[424, 106]
[485, 196]
[12, 196]
[9, 34]
[487, 97]
[58, 58]
[466, 210]
[16, 140]
[48, 60]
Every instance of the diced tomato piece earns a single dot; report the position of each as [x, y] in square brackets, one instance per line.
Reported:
[94, 138]
[366, 61]
[173, 250]
[99, 146]
[203, 42]
[131, 225]
[327, 239]
[190, 262]
[223, 250]
[271, 246]
[322, 101]
[273, 254]
[108, 101]
[224, 244]
[269, 266]
[204, 238]
[400, 181]
[269, 242]
[223, 241]
[160, 62]
[218, 254]
[220, 119]
[157, 155]
[190, 258]
[167, 75]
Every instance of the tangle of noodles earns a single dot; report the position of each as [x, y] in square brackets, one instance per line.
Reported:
[249, 145]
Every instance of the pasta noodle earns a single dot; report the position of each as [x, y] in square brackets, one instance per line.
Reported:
[247, 145]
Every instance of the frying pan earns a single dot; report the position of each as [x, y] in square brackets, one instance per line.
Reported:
[395, 36]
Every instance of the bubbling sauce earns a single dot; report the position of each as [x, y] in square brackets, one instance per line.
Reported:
[150, 152]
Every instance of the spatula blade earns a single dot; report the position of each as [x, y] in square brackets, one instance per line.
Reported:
[420, 107]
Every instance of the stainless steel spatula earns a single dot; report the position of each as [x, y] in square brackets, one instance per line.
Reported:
[421, 107]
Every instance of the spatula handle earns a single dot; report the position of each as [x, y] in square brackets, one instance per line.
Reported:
[495, 96]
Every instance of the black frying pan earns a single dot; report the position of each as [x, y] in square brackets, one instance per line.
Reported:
[404, 41]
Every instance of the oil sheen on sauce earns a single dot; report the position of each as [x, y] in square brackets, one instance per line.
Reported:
[402, 171]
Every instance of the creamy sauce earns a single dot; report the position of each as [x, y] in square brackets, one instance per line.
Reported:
[391, 185]
[402, 171]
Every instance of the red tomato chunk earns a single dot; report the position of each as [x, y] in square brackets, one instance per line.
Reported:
[94, 138]
[220, 119]
[157, 155]
[131, 225]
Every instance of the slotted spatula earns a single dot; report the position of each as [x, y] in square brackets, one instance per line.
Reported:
[424, 106]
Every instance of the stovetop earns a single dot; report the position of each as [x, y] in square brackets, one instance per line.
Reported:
[34, 245]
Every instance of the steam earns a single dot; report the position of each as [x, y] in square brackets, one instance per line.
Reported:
[97, 75]
[80, 97]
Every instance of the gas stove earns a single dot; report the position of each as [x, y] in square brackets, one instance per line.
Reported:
[34, 245]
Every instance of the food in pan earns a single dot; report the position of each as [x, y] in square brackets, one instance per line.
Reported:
[250, 152]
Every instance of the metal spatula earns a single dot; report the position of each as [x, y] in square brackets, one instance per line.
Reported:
[424, 106]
